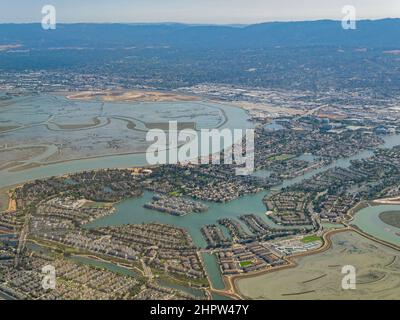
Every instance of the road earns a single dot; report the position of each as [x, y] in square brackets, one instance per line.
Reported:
[22, 239]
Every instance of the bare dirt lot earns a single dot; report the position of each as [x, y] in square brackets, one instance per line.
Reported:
[319, 276]
[133, 96]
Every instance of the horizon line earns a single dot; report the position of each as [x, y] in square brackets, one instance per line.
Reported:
[203, 24]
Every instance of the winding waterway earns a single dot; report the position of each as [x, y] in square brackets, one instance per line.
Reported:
[232, 118]
[131, 211]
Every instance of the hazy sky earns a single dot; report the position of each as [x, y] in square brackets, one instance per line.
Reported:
[194, 11]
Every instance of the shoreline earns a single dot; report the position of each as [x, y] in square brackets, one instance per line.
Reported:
[231, 289]
[292, 263]
[389, 201]
[12, 203]
[22, 167]
[292, 260]
[350, 216]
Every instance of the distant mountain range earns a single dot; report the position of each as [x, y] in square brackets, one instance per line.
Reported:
[369, 33]
[315, 55]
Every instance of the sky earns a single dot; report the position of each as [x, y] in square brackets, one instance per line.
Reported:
[194, 11]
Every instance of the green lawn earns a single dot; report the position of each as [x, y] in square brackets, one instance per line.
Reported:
[308, 239]
[282, 157]
[245, 263]
[97, 204]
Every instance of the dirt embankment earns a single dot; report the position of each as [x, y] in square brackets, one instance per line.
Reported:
[131, 96]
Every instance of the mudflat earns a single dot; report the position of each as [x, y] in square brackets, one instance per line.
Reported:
[320, 276]
[391, 218]
[131, 95]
